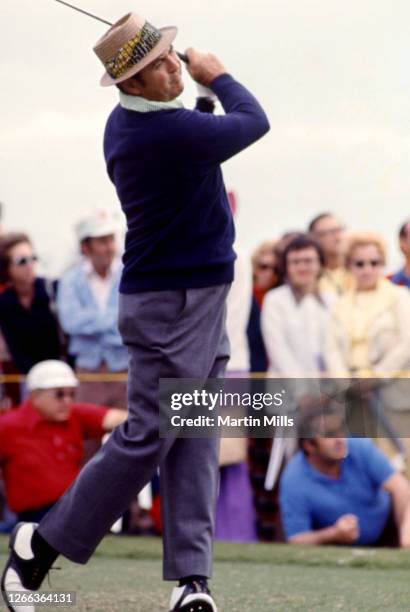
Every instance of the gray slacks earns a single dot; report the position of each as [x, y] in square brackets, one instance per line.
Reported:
[169, 334]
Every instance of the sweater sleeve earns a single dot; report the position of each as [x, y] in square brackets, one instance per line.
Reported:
[213, 139]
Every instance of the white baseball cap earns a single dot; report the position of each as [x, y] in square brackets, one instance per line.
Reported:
[50, 374]
[96, 224]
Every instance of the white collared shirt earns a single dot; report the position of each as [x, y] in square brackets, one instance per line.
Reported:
[142, 105]
[100, 286]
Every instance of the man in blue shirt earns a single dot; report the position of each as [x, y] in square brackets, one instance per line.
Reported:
[178, 265]
[342, 491]
[87, 302]
[402, 277]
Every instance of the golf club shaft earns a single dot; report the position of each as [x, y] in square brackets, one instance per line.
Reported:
[75, 8]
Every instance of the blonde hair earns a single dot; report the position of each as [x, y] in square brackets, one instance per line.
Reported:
[266, 248]
[361, 239]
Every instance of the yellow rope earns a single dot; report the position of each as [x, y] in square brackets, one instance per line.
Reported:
[123, 377]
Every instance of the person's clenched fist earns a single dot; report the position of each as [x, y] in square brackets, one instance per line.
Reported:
[203, 67]
[347, 528]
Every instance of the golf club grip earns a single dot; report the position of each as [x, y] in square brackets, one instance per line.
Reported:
[183, 57]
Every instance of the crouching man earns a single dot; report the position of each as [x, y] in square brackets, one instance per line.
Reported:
[41, 441]
[343, 491]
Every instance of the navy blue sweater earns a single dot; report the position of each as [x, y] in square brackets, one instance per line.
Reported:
[165, 166]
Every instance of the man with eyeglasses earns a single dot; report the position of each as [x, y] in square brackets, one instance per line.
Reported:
[329, 232]
[41, 441]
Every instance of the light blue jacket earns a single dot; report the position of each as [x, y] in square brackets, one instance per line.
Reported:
[93, 333]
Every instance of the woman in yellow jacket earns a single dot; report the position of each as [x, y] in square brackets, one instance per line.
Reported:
[369, 326]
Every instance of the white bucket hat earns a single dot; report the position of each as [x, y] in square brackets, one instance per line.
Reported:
[50, 374]
[129, 45]
[97, 224]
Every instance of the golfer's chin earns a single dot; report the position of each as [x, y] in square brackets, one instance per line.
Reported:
[173, 92]
[178, 88]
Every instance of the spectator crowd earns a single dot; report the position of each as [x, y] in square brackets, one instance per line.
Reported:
[314, 302]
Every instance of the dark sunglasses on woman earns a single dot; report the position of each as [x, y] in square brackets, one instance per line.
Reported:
[23, 261]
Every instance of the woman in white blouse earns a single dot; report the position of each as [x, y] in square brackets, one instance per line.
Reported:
[294, 316]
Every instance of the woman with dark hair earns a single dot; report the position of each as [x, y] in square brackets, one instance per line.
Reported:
[27, 321]
[294, 316]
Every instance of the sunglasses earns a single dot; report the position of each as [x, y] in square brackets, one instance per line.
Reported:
[23, 261]
[264, 267]
[62, 393]
[361, 263]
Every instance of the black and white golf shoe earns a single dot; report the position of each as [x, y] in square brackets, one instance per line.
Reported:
[192, 597]
[22, 574]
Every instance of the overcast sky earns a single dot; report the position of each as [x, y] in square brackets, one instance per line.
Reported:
[333, 77]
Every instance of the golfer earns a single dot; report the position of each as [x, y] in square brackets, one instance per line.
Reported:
[164, 161]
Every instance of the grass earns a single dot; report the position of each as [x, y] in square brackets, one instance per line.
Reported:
[125, 575]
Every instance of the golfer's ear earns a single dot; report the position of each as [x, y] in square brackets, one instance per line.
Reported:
[131, 87]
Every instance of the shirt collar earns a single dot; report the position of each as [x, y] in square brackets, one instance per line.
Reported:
[142, 105]
[317, 475]
[90, 272]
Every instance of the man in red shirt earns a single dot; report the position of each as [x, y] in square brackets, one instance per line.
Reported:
[41, 441]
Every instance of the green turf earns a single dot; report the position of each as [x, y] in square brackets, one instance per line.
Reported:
[124, 575]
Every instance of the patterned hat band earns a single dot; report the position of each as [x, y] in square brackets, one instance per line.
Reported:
[133, 51]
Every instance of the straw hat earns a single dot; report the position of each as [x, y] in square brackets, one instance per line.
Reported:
[129, 45]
